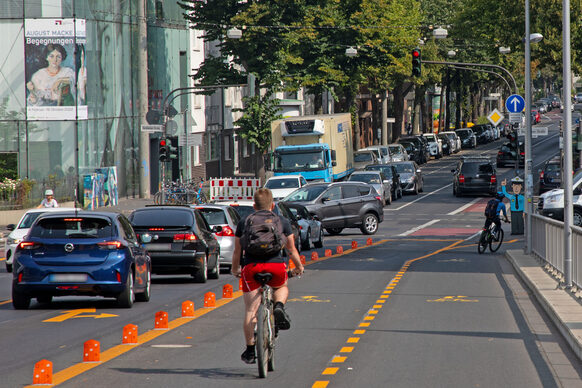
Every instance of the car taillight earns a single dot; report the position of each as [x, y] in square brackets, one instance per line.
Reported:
[118, 276]
[493, 179]
[20, 275]
[226, 231]
[185, 237]
[379, 198]
[541, 175]
[110, 244]
[522, 153]
[461, 178]
[28, 245]
[156, 229]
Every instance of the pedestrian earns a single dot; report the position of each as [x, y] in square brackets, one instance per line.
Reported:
[517, 202]
[49, 200]
[408, 129]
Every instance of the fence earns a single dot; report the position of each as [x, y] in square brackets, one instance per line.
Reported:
[548, 245]
[228, 189]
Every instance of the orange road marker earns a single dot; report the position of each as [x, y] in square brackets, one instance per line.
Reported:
[210, 300]
[302, 258]
[43, 373]
[339, 250]
[161, 321]
[369, 241]
[328, 253]
[227, 291]
[314, 256]
[92, 351]
[129, 334]
[187, 309]
[239, 284]
[354, 244]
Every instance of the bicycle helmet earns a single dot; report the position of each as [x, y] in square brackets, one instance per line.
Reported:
[48, 192]
[499, 195]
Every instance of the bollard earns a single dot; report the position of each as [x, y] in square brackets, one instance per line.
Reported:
[369, 241]
[314, 256]
[354, 244]
[302, 258]
[91, 351]
[328, 253]
[240, 284]
[43, 373]
[209, 299]
[161, 321]
[129, 334]
[339, 250]
[187, 309]
[227, 291]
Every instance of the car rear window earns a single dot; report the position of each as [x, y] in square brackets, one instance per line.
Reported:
[395, 150]
[282, 183]
[72, 227]
[363, 157]
[366, 178]
[213, 216]
[477, 168]
[305, 194]
[404, 167]
[243, 210]
[162, 217]
[551, 167]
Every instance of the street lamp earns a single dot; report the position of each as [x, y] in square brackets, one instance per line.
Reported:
[351, 52]
[504, 50]
[439, 33]
[451, 53]
[234, 33]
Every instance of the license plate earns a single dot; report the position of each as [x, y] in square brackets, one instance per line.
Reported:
[158, 247]
[68, 278]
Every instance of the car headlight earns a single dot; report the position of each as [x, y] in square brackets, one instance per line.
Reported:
[553, 199]
[11, 240]
[410, 180]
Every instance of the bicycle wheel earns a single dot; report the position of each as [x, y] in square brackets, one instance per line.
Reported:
[157, 198]
[262, 344]
[482, 245]
[271, 364]
[495, 244]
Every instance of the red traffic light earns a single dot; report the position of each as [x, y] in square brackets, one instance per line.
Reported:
[415, 53]
[163, 143]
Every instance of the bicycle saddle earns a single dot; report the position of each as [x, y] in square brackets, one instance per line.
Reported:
[264, 277]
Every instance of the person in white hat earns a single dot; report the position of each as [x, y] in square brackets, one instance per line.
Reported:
[49, 200]
[517, 204]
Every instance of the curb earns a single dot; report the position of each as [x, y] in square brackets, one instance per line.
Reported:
[567, 314]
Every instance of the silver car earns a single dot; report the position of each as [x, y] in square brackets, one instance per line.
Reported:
[363, 158]
[397, 152]
[226, 217]
[311, 231]
[378, 181]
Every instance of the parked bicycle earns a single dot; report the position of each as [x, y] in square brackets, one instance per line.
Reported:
[490, 237]
[181, 193]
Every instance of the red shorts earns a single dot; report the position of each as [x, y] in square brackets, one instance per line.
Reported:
[279, 271]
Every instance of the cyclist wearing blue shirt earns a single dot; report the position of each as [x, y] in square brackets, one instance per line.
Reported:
[500, 209]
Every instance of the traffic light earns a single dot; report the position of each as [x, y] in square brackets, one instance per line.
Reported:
[172, 151]
[163, 150]
[416, 62]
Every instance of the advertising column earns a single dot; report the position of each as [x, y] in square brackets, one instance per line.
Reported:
[55, 69]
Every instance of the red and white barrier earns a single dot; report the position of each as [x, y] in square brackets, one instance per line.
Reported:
[233, 189]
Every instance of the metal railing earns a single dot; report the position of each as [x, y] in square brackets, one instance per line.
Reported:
[548, 245]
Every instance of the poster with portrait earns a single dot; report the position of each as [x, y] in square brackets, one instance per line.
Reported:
[55, 70]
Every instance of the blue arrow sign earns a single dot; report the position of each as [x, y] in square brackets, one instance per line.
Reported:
[515, 103]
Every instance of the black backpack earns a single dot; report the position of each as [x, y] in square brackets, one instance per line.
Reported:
[263, 236]
[491, 208]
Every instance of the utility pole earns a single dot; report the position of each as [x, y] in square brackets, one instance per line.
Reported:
[142, 99]
[528, 139]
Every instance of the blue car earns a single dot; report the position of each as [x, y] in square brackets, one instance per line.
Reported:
[81, 253]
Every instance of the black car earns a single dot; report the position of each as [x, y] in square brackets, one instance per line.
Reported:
[340, 205]
[507, 155]
[447, 144]
[410, 176]
[412, 150]
[282, 210]
[474, 175]
[550, 175]
[421, 143]
[391, 174]
[182, 241]
[480, 132]
[468, 139]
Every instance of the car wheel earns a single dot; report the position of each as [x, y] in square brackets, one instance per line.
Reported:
[400, 193]
[8, 267]
[146, 294]
[127, 297]
[215, 273]
[334, 231]
[369, 224]
[319, 243]
[20, 300]
[415, 189]
[389, 200]
[305, 245]
[577, 219]
[421, 188]
[201, 275]
[46, 299]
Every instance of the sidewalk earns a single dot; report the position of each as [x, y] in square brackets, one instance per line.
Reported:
[563, 307]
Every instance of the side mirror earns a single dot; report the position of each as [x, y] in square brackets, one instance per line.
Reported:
[298, 216]
[10, 227]
[324, 199]
[217, 229]
[419, 171]
[315, 217]
[453, 170]
[387, 181]
[334, 163]
[145, 238]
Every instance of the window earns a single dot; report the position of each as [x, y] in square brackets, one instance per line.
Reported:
[245, 148]
[162, 218]
[227, 155]
[213, 216]
[364, 190]
[333, 194]
[127, 229]
[351, 191]
[196, 155]
[74, 227]
[213, 144]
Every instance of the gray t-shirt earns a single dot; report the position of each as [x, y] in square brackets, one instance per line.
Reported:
[52, 203]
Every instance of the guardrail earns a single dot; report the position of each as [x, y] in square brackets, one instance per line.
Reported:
[548, 245]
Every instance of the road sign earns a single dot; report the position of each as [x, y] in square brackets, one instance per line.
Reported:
[495, 117]
[539, 131]
[152, 128]
[515, 103]
[515, 118]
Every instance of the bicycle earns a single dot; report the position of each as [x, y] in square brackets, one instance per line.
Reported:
[266, 331]
[488, 238]
[200, 196]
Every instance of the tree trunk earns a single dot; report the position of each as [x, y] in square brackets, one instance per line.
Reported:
[399, 93]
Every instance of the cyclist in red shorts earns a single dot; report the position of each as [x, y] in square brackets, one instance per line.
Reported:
[276, 265]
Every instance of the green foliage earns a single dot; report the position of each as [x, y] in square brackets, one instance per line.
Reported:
[482, 120]
[255, 123]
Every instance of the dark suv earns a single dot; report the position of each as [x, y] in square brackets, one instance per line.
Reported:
[474, 175]
[550, 175]
[182, 241]
[342, 205]
[422, 144]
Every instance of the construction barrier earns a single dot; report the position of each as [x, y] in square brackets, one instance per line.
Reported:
[369, 241]
[328, 253]
[314, 256]
[354, 244]
[233, 189]
[302, 258]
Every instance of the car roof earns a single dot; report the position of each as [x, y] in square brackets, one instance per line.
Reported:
[372, 147]
[275, 177]
[210, 206]
[82, 213]
[361, 172]
[476, 159]
[52, 209]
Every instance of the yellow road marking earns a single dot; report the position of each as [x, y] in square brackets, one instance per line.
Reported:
[347, 349]
[364, 324]
[369, 318]
[353, 340]
[384, 296]
[359, 331]
[377, 306]
[381, 301]
[320, 384]
[5, 302]
[330, 371]
[78, 314]
[458, 298]
[339, 359]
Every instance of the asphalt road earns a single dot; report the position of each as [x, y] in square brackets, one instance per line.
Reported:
[418, 308]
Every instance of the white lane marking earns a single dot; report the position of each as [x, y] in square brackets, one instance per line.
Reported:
[418, 199]
[463, 207]
[473, 236]
[171, 346]
[418, 228]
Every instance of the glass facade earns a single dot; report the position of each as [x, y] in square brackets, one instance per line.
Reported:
[51, 152]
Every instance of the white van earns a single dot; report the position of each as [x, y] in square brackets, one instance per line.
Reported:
[382, 153]
[553, 202]
[435, 145]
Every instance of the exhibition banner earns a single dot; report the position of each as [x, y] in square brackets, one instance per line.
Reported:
[55, 71]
